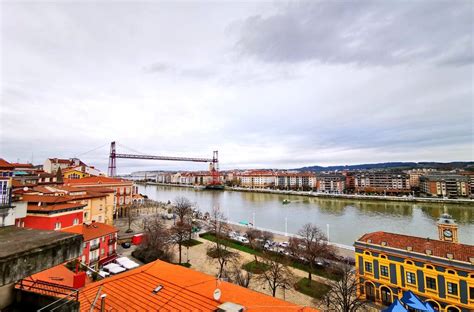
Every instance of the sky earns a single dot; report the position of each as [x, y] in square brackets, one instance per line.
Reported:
[268, 84]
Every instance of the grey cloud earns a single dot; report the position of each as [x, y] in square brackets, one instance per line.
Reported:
[362, 32]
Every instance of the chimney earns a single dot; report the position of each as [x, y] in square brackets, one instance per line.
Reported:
[102, 303]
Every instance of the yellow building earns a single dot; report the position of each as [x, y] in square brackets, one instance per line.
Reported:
[74, 174]
[440, 272]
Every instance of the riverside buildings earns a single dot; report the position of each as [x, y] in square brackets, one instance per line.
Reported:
[445, 185]
[440, 271]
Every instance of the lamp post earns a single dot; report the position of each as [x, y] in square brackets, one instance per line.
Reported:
[286, 226]
[253, 219]
[327, 228]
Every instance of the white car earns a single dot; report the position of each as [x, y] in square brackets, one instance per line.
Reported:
[242, 239]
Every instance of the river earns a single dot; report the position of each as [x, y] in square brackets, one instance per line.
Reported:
[347, 219]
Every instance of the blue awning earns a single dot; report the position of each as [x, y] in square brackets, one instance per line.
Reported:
[396, 306]
[411, 300]
[429, 307]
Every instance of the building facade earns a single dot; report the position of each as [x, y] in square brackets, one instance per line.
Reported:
[331, 183]
[445, 185]
[440, 272]
[100, 243]
[381, 182]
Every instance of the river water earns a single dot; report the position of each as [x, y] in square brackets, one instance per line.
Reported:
[347, 219]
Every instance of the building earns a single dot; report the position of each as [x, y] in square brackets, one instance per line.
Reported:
[168, 287]
[51, 165]
[6, 208]
[124, 189]
[331, 183]
[100, 242]
[257, 179]
[381, 182]
[439, 271]
[445, 185]
[73, 173]
[50, 212]
[295, 181]
[415, 175]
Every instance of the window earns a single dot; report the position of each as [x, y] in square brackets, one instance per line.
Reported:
[76, 221]
[102, 252]
[368, 267]
[452, 288]
[471, 292]
[384, 270]
[57, 226]
[411, 279]
[430, 283]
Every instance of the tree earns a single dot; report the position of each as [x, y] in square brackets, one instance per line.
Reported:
[278, 275]
[219, 227]
[253, 235]
[310, 245]
[182, 207]
[343, 294]
[180, 233]
[156, 243]
[131, 217]
[240, 277]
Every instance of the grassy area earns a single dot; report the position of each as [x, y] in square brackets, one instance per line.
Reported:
[323, 272]
[315, 289]
[231, 244]
[191, 243]
[255, 267]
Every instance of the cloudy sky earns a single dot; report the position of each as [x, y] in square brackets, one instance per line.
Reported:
[268, 84]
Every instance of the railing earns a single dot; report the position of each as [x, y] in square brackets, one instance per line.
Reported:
[47, 288]
[94, 247]
[93, 260]
[6, 198]
[112, 241]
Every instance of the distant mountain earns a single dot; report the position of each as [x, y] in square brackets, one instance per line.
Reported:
[394, 165]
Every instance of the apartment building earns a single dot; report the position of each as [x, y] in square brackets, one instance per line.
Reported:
[331, 183]
[257, 179]
[381, 182]
[445, 185]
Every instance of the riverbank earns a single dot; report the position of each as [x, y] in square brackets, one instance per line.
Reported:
[407, 199]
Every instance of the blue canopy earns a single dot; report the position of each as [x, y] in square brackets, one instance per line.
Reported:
[411, 300]
[396, 306]
[429, 307]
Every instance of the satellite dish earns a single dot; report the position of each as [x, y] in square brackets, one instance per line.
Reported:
[25, 188]
[217, 294]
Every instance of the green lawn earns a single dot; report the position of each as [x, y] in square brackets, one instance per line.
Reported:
[255, 267]
[191, 243]
[323, 272]
[315, 289]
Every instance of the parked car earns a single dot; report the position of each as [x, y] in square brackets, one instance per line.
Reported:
[242, 239]
[126, 245]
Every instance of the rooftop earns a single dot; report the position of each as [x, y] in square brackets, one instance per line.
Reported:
[459, 252]
[92, 230]
[30, 251]
[95, 180]
[55, 207]
[182, 289]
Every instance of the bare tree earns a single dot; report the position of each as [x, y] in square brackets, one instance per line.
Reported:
[220, 228]
[131, 217]
[310, 245]
[267, 236]
[182, 207]
[240, 277]
[343, 294]
[253, 235]
[156, 243]
[180, 233]
[278, 275]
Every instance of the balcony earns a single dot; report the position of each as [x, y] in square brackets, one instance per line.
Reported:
[94, 247]
[93, 260]
[112, 241]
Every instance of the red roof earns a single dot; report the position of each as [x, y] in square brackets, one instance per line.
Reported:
[20, 165]
[5, 164]
[92, 230]
[96, 180]
[460, 252]
[55, 207]
[46, 198]
[182, 289]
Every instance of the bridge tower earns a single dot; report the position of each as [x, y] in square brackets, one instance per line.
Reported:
[112, 161]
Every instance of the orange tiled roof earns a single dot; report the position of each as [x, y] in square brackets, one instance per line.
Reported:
[55, 207]
[460, 252]
[32, 198]
[59, 275]
[95, 180]
[183, 290]
[20, 165]
[92, 230]
[5, 164]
